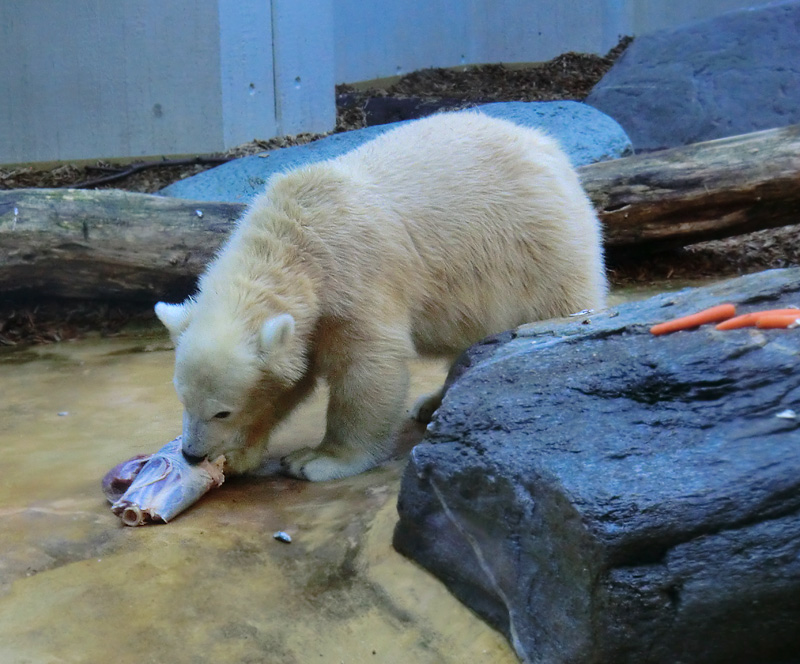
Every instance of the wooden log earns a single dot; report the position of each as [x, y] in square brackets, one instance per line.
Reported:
[106, 244]
[115, 244]
[698, 192]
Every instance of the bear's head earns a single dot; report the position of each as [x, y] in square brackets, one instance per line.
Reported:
[226, 372]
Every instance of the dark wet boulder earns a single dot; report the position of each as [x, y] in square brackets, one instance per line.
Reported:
[604, 495]
[727, 75]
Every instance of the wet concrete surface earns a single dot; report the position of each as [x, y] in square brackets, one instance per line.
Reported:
[213, 585]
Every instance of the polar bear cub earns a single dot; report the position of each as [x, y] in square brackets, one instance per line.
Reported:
[424, 240]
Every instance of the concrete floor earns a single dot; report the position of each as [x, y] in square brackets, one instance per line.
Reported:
[213, 585]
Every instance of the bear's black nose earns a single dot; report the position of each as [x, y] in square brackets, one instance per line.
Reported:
[191, 458]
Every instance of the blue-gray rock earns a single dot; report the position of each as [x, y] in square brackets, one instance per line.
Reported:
[586, 137]
[604, 495]
[733, 74]
[586, 134]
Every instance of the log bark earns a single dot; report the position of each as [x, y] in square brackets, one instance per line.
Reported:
[115, 244]
[106, 244]
[699, 192]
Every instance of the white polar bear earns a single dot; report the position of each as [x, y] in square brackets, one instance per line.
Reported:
[426, 239]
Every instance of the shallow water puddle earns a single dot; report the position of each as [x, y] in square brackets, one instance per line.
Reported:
[213, 585]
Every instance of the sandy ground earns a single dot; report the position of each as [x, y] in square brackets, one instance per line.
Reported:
[212, 585]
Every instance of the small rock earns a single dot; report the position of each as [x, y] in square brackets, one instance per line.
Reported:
[281, 536]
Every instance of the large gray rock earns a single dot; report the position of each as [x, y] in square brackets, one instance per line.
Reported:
[586, 134]
[733, 74]
[604, 495]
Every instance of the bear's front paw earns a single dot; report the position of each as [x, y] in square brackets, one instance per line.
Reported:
[314, 466]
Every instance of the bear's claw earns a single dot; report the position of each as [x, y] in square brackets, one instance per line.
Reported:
[293, 467]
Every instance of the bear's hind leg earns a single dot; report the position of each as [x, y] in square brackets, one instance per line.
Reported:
[424, 407]
[367, 401]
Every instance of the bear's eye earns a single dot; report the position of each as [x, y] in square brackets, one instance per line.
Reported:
[222, 415]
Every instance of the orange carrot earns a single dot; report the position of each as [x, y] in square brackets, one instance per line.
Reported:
[713, 315]
[750, 320]
[778, 321]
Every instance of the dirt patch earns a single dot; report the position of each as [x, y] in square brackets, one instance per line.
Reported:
[154, 177]
[568, 77]
[50, 320]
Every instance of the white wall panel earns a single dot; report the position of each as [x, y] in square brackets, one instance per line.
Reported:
[304, 53]
[89, 78]
[246, 71]
[649, 15]
[380, 39]
[106, 78]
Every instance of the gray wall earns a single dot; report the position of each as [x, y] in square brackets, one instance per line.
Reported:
[386, 39]
[89, 78]
[85, 79]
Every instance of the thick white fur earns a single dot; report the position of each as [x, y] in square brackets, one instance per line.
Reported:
[424, 240]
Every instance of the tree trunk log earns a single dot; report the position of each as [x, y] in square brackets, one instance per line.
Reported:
[704, 191]
[106, 244]
[115, 244]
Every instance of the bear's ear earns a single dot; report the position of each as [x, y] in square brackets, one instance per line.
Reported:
[175, 317]
[276, 332]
